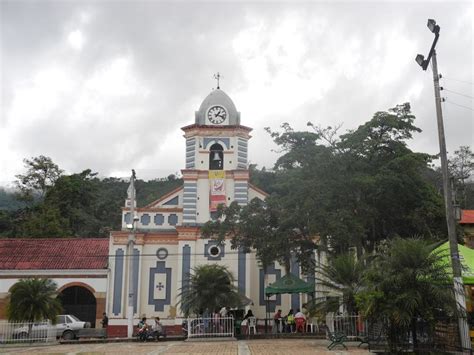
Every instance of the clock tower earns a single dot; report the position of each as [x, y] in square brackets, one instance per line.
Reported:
[216, 159]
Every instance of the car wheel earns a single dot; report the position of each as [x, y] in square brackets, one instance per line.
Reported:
[23, 335]
[68, 335]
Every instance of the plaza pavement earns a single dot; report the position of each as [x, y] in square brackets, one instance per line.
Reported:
[241, 347]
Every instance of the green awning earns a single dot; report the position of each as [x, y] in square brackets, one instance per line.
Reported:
[289, 284]
[467, 261]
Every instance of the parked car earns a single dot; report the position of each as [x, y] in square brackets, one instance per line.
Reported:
[66, 327]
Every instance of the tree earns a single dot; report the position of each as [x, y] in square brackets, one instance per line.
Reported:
[360, 188]
[264, 227]
[461, 167]
[40, 176]
[207, 289]
[33, 300]
[342, 276]
[407, 281]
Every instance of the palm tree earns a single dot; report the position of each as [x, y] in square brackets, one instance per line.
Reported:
[342, 278]
[33, 300]
[407, 282]
[208, 287]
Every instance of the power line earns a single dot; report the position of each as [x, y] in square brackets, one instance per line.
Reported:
[453, 103]
[461, 81]
[457, 93]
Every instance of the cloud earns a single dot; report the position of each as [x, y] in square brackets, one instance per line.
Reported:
[107, 85]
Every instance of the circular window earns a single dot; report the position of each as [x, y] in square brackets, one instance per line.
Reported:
[214, 251]
[162, 253]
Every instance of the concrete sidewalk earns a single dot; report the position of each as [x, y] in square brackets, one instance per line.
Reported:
[240, 347]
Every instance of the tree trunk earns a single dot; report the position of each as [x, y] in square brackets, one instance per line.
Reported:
[413, 333]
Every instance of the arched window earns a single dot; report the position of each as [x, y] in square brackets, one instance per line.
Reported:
[216, 157]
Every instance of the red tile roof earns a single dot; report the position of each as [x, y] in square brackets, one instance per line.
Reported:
[467, 217]
[54, 253]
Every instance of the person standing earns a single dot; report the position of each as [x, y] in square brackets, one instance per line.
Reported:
[277, 321]
[105, 320]
[290, 321]
[300, 320]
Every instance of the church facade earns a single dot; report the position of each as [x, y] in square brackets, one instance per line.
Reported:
[168, 241]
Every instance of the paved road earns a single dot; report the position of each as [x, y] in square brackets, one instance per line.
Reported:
[244, 347]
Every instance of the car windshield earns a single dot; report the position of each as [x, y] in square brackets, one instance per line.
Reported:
[75, 318]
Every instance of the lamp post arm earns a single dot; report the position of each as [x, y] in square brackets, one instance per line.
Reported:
[432, 51]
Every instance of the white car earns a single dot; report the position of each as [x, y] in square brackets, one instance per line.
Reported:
[66, 327]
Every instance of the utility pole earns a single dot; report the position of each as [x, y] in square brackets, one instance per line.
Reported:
[130, 258]
[448, 195]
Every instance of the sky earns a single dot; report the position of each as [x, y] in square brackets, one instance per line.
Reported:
[107, 85]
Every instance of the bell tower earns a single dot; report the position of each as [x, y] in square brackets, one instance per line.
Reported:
[216, 159]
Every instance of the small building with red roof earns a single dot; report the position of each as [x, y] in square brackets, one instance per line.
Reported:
[467, 224]
[79, 266]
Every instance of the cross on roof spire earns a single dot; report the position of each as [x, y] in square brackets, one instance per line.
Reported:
[217, 77]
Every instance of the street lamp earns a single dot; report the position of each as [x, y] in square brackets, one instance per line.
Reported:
[130, 245]
[448, 200]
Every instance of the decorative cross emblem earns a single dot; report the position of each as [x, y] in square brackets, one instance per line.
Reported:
[160, 286]
[217, 77]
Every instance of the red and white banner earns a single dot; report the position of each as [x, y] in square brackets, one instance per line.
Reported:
[217, 189]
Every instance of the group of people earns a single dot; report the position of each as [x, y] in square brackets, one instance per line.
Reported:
[150, 332]
[291, 323]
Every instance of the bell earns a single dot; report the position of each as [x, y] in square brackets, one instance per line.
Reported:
[216, 156]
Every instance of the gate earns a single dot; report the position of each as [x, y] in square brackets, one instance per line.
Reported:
[210, 327]
[27, 332]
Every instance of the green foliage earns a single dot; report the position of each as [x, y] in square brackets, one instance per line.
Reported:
[207, 289]
[261, 226]
[80, 205]
[40, 176]
[342, 277]
[405, 281]
[361, 188]
[263, 179]
[33, 300]
[9, 201]
[149, 191]
[461, 167]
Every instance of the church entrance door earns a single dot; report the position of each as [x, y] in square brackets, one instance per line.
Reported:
[79, 301]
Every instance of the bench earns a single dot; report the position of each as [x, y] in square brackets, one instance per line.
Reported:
[336, 339]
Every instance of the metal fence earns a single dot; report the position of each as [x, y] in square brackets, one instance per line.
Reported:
[353, 326]
[210, 327]
[26, 332]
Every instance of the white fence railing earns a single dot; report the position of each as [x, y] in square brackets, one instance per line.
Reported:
[210, 327]
[25, 332]
[353, 326]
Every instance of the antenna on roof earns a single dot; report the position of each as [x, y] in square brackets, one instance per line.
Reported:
[217, 77]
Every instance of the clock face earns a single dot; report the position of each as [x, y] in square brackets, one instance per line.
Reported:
[217, 114]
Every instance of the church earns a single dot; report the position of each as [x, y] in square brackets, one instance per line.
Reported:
[168, 244]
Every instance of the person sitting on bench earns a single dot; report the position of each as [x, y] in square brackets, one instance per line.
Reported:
[158, 329]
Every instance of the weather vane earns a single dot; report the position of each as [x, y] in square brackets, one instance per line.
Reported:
[217, 77]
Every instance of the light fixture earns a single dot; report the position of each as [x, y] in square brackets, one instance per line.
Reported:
[420, 59]
[432, 26]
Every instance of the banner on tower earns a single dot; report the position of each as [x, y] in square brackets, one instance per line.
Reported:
[217, 189]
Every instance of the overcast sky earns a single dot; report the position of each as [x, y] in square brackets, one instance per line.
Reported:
[107, 85]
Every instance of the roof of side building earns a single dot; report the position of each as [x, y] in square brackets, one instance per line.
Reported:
[467, 217]
[54, 253]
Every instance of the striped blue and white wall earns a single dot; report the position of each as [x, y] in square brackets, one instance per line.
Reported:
[242, 153]
[241, 191]
[191, 153]
[189, 202]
